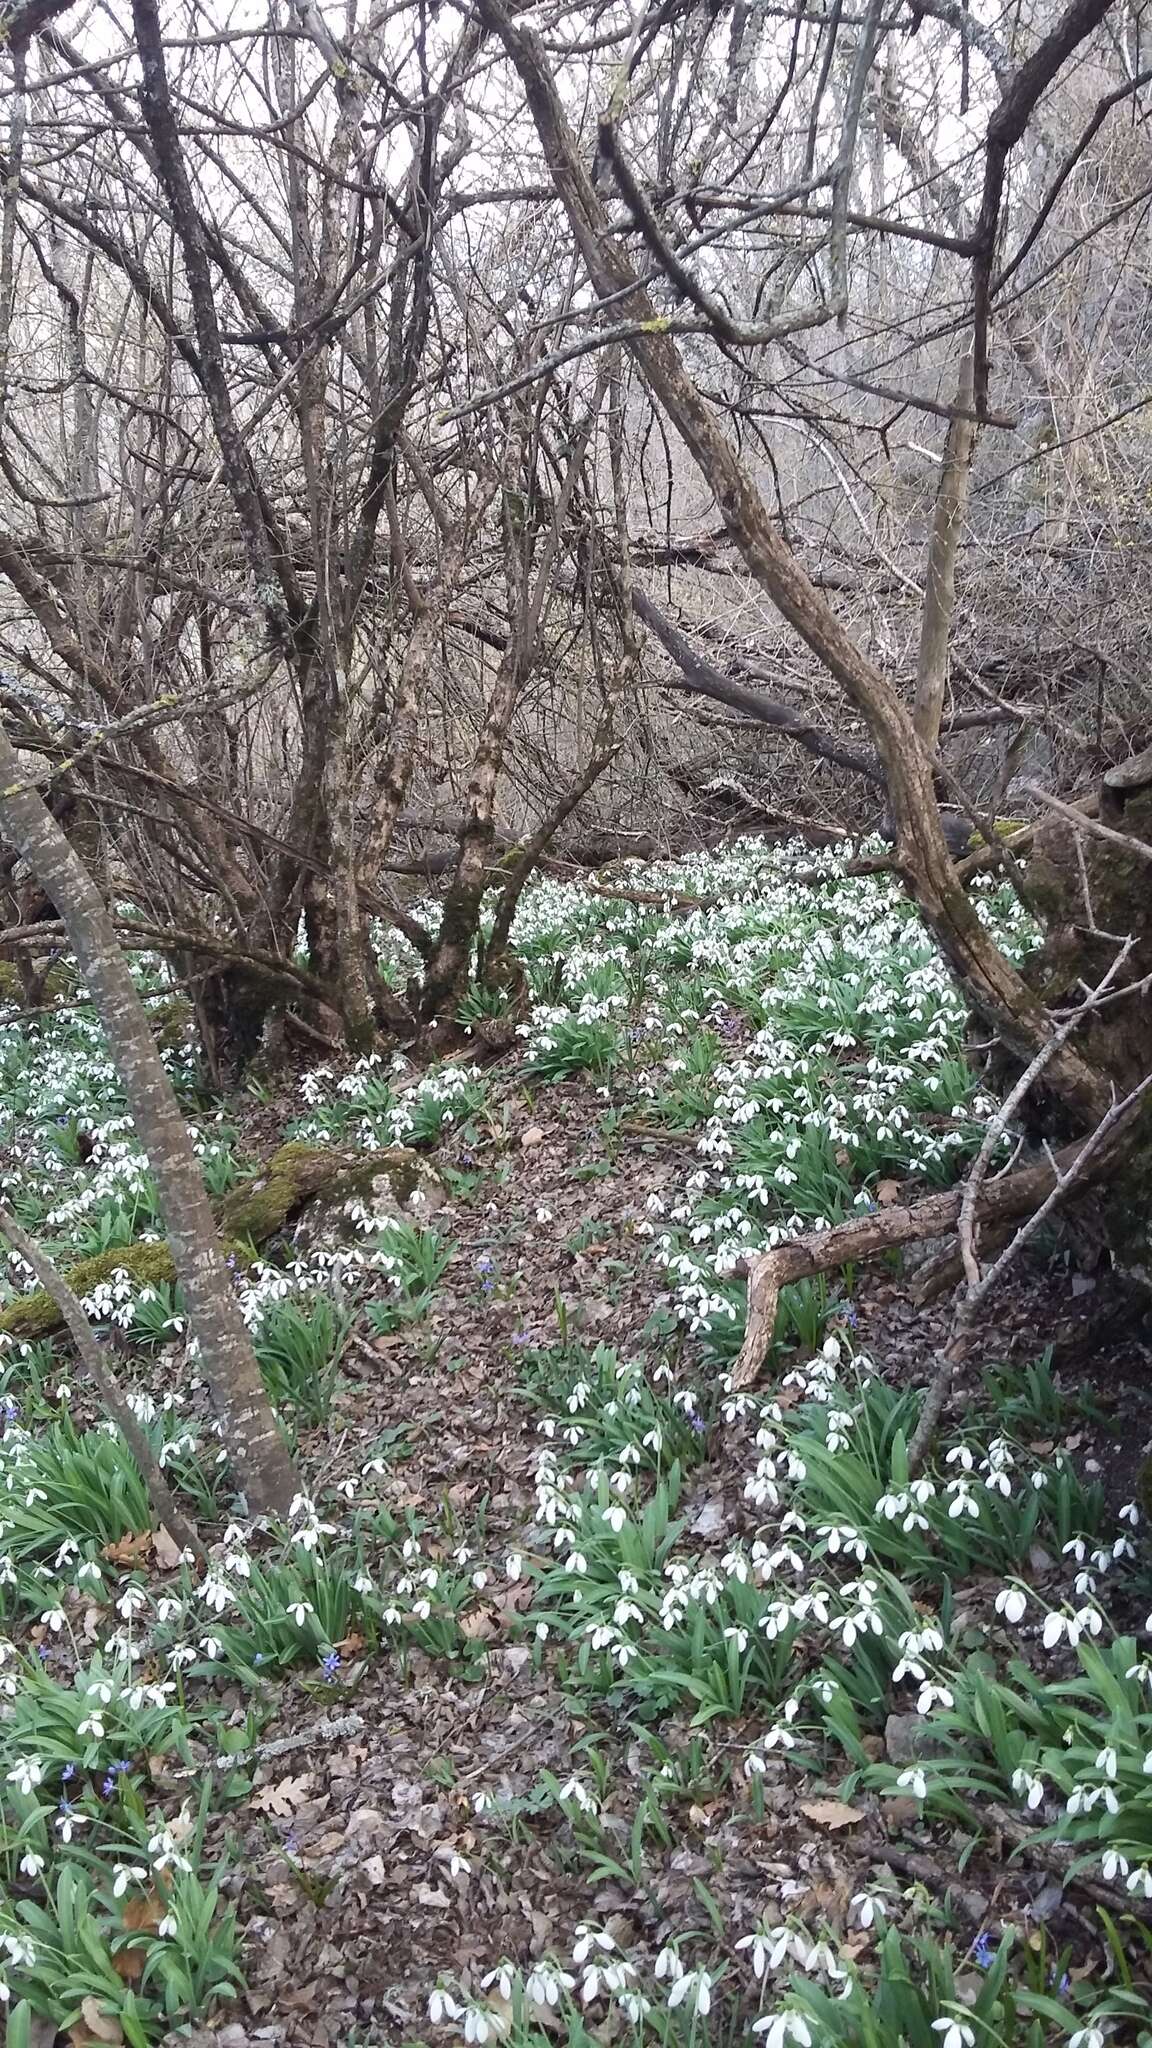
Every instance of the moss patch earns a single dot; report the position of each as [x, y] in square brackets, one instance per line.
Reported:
[299, 1173]
[36, 1315]
[296, 1174]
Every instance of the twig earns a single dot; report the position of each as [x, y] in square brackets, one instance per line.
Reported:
[1139, 847]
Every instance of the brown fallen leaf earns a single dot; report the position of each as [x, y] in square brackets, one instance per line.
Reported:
[532, 1136]
[134, 1548]
[887, 1192]
[101, 2025]
[169, 1556]
[831, 1813]
[282, 1799]
[480, 1625]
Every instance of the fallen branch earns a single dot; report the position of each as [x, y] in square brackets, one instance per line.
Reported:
[865, 1237]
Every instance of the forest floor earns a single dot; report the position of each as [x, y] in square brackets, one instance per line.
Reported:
[585, 1701]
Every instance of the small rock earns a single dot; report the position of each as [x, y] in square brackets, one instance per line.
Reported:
[908, 1738]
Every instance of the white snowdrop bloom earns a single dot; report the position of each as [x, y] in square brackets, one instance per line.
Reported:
[932, 1695]
[1106, 1761]
[784, 2030]
[668, 1965]
[913, 1782]
[868, 1908]
[1087, 2037]
[546, 1983]
[442, 2007]
[26, 1774]
[579, 1795]
[956, 2033]
[481, 2025]
[1032, 1789]
[694, 1989]
[1114, 1865]
[589, 1938]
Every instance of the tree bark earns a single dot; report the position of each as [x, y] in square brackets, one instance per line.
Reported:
[993, 984]
[167, 1509]
[259, 1460]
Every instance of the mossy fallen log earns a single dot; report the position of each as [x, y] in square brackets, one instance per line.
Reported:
[297, 1175]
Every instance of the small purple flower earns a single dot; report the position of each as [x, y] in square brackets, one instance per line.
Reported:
[11, 1408]
[330, 1664]
[697, 1422]
[108, 1787]
[520, 1337]
[984, 1951]
[68, 1772]
[847, 1314]
[484, 1263]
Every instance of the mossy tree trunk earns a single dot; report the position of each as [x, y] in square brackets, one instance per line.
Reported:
[259, 1460]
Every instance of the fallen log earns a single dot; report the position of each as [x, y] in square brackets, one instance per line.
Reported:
[882, 1230]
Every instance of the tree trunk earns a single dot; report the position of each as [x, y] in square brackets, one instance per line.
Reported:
[257, 1455]
[994, 986]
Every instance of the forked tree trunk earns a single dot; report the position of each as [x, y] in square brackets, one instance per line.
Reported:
[994, 985]
[257, 1456]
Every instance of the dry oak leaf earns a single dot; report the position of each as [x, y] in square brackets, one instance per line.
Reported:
[96, 2024]
[283, 1798]
[169, 1555]
[831, 1813]
[131, 1549]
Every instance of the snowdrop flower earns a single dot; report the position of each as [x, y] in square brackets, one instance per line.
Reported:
[1034, 1789]
[503, 1976]
[31, 1865]
[125, 1874]
[589, 1938]
[580, 1797]
[695, 1986]
[299, 1609]
[26, 1774]
[442, 2006]
[869, 1907]
[914, 1782]
[931, 1696]
[1011, 1603]
[1087, 2037]
[668, 1965]
[1106, 1762]
[480, 2025]
[957, 2033]
[760, 1946]
[545, 1984]
[783, 2028]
